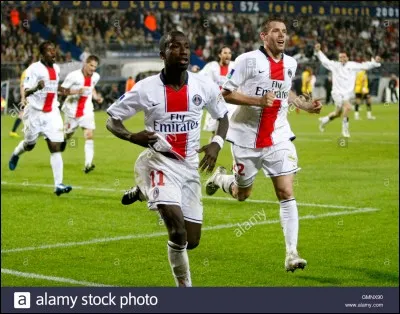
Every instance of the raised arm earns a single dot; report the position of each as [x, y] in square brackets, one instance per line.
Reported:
[375, 63]
[323, 59]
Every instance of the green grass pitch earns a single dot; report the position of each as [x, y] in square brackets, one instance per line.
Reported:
[348, 203]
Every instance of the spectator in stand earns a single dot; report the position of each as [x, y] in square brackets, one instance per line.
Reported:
[130, 82]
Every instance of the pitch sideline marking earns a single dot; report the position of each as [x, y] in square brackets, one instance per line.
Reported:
[51, 278]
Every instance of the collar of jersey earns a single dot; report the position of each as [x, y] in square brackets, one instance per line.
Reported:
[163, 79]
[262, 49]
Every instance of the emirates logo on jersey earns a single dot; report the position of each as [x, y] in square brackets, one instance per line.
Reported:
[197, 100]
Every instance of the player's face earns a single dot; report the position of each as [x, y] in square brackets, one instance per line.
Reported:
[275, 38]
[90, 67]
[225, 56]
[50, 54]
[343, 58]
[177, 53]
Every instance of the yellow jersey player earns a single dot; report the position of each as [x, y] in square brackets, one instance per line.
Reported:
[362, 93]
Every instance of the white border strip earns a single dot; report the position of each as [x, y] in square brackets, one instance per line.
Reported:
[159, 234]
[51, 278]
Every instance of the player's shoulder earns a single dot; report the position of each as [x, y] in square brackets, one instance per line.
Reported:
[56, 67]
[203, 80]
[148, 83]
[249, 55]
[35, 65]
[96, 76]
[289, 59]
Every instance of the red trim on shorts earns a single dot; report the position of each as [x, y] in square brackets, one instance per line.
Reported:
[48, 102]
[269, 114]
[82, 99]
[177, 101]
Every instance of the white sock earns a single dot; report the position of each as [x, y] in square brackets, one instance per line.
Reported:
[224, 181]
[290, 224]
[19, 149]
[179, 261]
[345, 124]
[325, 120]
[356, 115]
[369, 114]
[89, 152]
[57, 166]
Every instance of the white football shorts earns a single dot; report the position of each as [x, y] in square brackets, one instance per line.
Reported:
[48, 124]
[276, 160]
[169, 181]
[339, 99]
[86, 121]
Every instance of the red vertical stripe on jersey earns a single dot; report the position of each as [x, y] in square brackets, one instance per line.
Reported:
[269, 114]
[48, 102]
[82, 99]
[177, 101]
[223, 70]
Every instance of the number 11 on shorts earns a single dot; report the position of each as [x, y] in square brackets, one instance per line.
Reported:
[160, 175]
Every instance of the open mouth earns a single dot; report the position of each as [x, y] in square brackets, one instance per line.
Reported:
[184, 61]
[281, 42]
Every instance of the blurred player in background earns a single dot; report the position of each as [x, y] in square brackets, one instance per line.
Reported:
[261, 137]
[18, 120]
[78, 106]
[217, 71]
[362, 93]
[167, 172]
[393, 85]
[41, 115]
[343, 82]
[307, 83]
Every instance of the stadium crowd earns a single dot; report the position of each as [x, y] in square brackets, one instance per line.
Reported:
[97, 30]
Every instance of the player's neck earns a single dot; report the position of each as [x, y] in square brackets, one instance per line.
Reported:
[274, 55]
[84, 73]
[174, 78]
[222, 64]
[47, 64]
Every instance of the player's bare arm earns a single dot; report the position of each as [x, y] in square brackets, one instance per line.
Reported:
[212, 150]
[305, 103]
[33, 90]
[143, 138]
[236, 98]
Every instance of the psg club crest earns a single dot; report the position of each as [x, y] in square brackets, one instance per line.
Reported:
[290, 73]
[197, 100]
[156, 192]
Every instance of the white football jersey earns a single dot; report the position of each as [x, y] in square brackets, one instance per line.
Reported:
[255, 74]
[219, 75]
[76, 106]
[46, 98]
[174, 114]
[217, 72]
[344, 76]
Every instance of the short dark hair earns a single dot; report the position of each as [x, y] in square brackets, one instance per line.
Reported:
[222, 48]
[92, 58]
[167, 38]
[343, 51]
[43, 46]
[265, 26]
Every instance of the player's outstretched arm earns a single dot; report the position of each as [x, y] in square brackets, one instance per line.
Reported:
[305, 103]
[322, 58]
[236, 98]
[143, 138]
[374, 63]
[212, 150]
